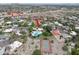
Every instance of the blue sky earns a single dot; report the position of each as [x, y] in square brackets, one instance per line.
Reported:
[39, 1]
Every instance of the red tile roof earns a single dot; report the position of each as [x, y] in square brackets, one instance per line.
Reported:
[14, 14]
[56, 32]
[37, 22]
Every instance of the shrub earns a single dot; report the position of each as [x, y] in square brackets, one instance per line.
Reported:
[75, 52]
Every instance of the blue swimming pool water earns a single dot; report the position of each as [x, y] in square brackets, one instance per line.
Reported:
[46, 44]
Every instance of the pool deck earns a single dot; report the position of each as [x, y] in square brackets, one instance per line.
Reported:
[45, 46]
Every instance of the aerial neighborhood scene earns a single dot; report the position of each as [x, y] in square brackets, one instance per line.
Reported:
[39, 29]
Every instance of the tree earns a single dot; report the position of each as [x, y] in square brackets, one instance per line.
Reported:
[23, 37]
[33, 25]
[65, 48]
[75, 50]
[46, 34]
[7, 19]
[22, 24]
[47, 28]
[13, 36]
[72, 26]
[47, 31]
[30, 29]
[1, 32]
[37, 52]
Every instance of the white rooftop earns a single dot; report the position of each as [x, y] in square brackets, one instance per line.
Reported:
[15, 45]
[76, 27]
[73, 33]
[9, 22]
[57, 23]
[8, 30]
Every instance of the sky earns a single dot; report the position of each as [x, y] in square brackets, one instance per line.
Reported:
[39, 1]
